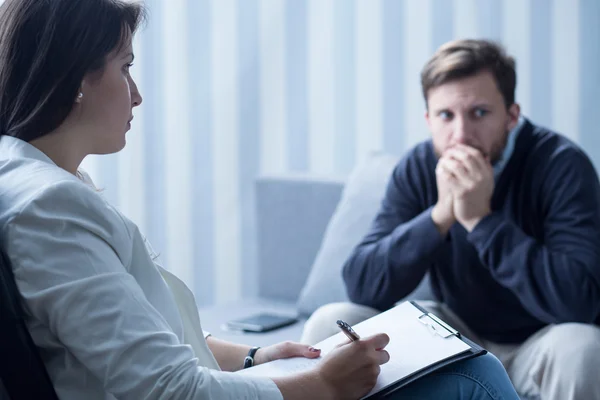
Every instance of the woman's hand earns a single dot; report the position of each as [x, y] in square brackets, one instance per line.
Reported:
[350, 371]
[284, 350]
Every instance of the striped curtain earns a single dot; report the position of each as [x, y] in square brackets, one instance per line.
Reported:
[237, 88]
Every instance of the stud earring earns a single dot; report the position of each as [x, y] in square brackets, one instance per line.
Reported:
[79, 97]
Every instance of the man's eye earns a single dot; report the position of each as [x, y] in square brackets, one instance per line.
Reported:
[480, 112]
[445, 115]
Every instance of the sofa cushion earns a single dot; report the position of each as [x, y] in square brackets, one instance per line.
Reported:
[350, 222]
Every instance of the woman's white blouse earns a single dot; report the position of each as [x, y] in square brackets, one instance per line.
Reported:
[109, 322]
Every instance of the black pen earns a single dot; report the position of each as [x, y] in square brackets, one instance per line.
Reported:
[348, 331]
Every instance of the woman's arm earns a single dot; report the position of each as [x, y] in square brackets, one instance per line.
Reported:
[348, 372]
[230, 356]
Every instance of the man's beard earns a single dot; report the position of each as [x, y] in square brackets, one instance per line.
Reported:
[497, 151]
[495, 154]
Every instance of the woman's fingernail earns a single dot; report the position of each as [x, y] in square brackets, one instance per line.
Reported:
[313, 350]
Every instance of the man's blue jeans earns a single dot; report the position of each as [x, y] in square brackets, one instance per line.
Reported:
[482, 378]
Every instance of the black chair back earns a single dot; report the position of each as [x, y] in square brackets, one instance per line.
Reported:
[22, 371]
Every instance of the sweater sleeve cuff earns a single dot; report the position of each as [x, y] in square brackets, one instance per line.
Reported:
[492, 236]
[420, 231]
[481, 235]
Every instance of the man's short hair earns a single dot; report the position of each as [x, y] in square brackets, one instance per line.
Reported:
[463, 58]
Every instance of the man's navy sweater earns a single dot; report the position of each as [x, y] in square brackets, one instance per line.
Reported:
[535, 260]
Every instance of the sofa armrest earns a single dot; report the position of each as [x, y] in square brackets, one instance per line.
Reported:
[292, 214]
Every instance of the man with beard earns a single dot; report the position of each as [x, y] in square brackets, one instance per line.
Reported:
[505, 217]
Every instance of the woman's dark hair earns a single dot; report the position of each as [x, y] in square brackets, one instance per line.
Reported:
[46, 49]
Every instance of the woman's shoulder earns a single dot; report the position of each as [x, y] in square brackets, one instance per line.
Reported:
[23, 181]
[37, 189]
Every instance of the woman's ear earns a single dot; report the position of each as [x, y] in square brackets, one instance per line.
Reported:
[79, 96]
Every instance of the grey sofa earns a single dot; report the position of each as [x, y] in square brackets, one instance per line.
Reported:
[292, 212]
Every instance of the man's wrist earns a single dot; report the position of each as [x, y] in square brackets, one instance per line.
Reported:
[441, 222]
[470, 224]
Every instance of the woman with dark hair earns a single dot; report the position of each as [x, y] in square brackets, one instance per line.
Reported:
[109, 322]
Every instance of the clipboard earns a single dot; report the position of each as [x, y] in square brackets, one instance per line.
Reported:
[440, 328]
[421, 342]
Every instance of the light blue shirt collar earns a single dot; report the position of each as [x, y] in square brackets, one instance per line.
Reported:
[510, 147]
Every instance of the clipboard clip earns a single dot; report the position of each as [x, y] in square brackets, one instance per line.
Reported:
[437, 326]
